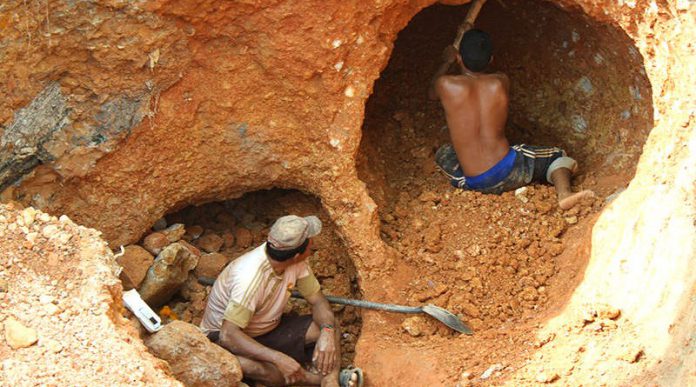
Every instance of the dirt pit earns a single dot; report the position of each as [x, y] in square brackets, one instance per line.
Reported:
[243, 224]
[503, 263]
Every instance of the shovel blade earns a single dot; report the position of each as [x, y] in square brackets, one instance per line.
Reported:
[447, 318]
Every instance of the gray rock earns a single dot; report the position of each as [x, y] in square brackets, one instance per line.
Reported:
[192, 358]
[167, 274]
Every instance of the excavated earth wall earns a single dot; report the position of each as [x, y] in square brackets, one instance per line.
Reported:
[123, 111]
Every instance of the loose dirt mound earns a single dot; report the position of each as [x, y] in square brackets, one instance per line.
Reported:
[58, 296]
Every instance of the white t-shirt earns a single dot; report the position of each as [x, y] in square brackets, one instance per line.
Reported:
[251, 295]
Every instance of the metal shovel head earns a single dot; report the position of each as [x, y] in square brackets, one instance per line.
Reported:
[447, 318]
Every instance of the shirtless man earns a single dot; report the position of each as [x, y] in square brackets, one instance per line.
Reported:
[476, 107]
[245, 308]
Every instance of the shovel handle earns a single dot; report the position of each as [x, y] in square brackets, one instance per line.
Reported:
[468, 22]
[369, 304]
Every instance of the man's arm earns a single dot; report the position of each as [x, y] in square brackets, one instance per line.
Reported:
[239, 343]
[449, 56]
[327, 350]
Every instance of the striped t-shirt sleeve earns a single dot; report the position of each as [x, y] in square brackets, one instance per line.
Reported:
[307, 284]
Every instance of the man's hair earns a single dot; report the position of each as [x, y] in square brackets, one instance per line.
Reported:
[284, 255]
[476, 49]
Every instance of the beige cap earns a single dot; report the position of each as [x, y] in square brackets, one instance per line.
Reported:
[289, 232]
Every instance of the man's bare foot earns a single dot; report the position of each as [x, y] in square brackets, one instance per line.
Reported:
[569, 201]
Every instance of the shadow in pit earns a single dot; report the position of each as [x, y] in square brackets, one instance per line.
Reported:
[239, 225]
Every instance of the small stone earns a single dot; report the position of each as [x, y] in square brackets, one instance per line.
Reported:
[428, 196]
[52, 346]
[210, 243]
[412, 326]
[174, 232]
[571, 219]
[191, 248]
[44, 217]
[49, 230]
[491, 370]
[31, 237]
[160, 224]
[135, 262]
[547, 377]
[194, 232]
[63, 237]
[608, 312]
[227, 240]
[155, 242]
[17, 335]
[520, 194]
[243, 237]
[29, 215]
[470, 309]
[210, 265]
[631, 354]
[46, 299]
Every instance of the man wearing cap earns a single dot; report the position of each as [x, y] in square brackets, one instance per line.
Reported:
[245, 311]
[480, 157]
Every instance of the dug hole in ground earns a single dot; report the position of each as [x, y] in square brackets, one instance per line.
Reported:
[203, 122]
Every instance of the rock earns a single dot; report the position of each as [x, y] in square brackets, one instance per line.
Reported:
[160, 224]
[210, 265]
[243, 237]
[174, 232]
[135, 262]
[608, 312]
[521, 194]
[210, 243]
[429, 196]
[492, 369]
[547, 377]
[470, 309]
[17, 335]
[191, 248]
[432, 238]
[193, 359]
[167, 274]
[155, 242]
[571, 219]
[631, 354]
[193, 232]
[49, 230]
[412, 326]
[227, 240]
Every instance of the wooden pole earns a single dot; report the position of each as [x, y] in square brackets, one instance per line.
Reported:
[468, 22]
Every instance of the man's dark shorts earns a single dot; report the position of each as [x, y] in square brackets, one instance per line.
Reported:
[288, 337]
[523, 165]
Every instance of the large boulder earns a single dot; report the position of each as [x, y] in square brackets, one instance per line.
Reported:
[167, 274]
[193, 359]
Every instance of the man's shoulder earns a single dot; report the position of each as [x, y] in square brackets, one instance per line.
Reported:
[247, 266]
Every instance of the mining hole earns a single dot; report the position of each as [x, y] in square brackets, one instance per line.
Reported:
[225, 230]
[504, 263]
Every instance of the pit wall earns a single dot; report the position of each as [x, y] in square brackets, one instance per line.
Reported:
[232, 97]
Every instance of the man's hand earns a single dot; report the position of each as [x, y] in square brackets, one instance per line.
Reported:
[324, 357]
[291, 370]
[449, 54]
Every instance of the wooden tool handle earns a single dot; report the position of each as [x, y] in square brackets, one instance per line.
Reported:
[468, 22]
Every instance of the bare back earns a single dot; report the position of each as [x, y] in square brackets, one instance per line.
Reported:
[476, 108]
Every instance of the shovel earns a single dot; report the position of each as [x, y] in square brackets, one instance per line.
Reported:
[440, 314]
